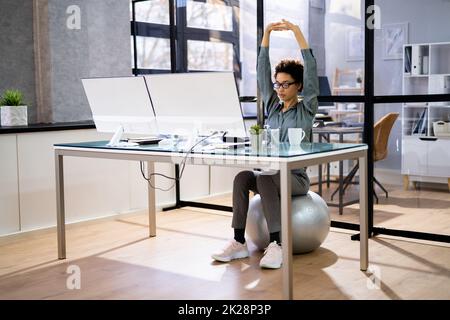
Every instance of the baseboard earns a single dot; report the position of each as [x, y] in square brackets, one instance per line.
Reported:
[395, 177]
[45, 230]
[210, 196]
[385, 176]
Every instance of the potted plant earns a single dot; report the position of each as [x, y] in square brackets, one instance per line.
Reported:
[13, 109]
[256, 138]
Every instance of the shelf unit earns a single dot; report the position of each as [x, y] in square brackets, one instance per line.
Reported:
[426, 153]
[348, 82]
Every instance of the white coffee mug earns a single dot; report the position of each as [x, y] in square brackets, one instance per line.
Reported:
[296, 136]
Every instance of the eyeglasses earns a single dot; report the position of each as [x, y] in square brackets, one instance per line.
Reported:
[285, 85]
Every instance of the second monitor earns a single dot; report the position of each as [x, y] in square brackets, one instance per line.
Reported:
[196, 103]
[120, 105]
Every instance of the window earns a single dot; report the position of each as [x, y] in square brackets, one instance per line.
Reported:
[154, 11]
[153, 53]
[208, 55]
[210, 16]
[205, 36]
[150, 34]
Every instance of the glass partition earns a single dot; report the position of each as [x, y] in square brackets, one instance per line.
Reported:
[248, 51]
[344, 206]
[343, 55]
[412, 51]
[334, 30]
[411, 168]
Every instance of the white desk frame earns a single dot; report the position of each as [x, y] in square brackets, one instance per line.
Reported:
[284, 165]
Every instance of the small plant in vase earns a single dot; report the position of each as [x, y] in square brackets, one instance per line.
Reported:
[256, 137]
[255, 129]
[13, 109]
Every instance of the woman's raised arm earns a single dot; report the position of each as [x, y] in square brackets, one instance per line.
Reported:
[286, 25]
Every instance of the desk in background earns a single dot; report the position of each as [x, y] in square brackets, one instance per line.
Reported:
[283, 160]
[324, 133]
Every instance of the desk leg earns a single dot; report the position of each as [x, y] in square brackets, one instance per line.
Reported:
[151, 202]
[320, 170]
[363, 214]
[328, 168]
[60, 210]
[286, 230]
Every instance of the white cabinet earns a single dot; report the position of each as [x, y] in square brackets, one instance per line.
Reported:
[92, 190]
[426, 156]
[438, 158]
[9, 194]
[94, 187]
[414, 156]
[426, 153]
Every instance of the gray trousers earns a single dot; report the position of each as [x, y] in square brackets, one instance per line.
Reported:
[268, 187]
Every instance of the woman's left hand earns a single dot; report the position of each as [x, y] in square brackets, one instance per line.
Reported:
[297, 32]
[290, 26]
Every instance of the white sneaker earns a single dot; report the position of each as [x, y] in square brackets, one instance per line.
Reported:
[233, 250]
[273, 256]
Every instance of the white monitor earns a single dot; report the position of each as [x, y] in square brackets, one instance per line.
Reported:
[120, 105]
[203, 102]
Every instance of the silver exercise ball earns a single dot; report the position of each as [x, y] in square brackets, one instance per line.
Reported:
[310, 222]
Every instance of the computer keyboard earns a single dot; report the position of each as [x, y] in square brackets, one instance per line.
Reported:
[144, 140]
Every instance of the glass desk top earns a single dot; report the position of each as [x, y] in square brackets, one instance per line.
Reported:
[283, 150]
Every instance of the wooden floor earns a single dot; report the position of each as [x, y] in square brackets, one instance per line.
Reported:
[117, 260]
[425, 209]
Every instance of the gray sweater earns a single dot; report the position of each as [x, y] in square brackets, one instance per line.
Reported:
[300, 116]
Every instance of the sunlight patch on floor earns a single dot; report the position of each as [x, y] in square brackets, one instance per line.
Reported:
[195, 269]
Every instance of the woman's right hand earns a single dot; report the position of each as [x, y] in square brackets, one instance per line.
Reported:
[275, 26]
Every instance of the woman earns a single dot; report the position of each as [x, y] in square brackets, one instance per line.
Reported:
[284, 111]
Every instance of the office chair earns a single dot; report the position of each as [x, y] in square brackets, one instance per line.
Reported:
[325, 91]
[381, 132]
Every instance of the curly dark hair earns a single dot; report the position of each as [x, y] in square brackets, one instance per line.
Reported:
[292, 67]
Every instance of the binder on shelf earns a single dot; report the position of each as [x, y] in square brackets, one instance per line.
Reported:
[407, 60]
[415, 124]
[420, 124]
[425, 64]
[416, 60]
[423, 130]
